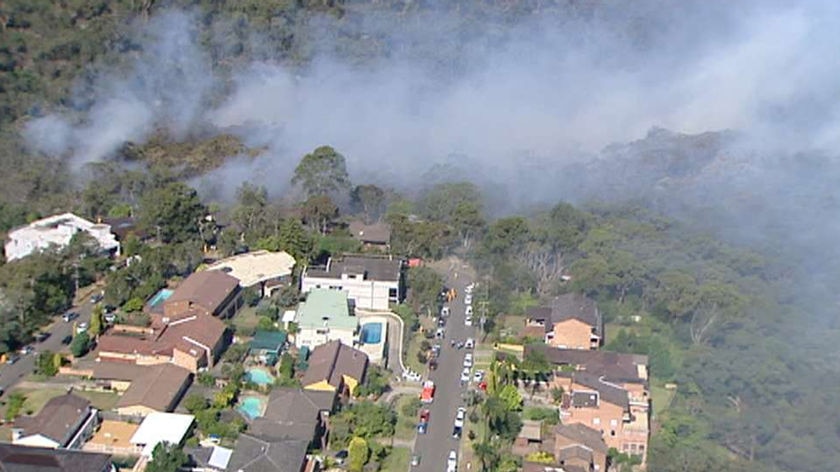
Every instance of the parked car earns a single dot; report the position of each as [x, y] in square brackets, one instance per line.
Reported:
[70, 316]
[82, 327]
[469, 311]
[469, 343]
[341, 456]
[12, 359]
[478, 376]
[415, 460]
[422, 428]
[96, 298]
[444, 312]
[468, 299]
[468, 321]
[468, 360]
[456, 432]
[465, 375]
[459, 417]
[452, 460]
[440, 333]
[441, 322]
[110, 318]
[41, 337]
[67, 339]
[26, 350]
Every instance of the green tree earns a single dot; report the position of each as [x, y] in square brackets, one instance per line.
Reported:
[295, 240]
[167, 457]
[80, 344]
[458, 205]
[369, 200]
[45, 365]
[357, 454]
[249, 213]
[510, 397]
[487, 454]
[318, 211]
[424, 287]
[97, 323]
[195, 402]
[322, 172]
[172, 212]
[133, 305]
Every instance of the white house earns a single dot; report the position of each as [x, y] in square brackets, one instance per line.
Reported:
[57, 231]
[161, 427]
[325, 316]
[371, 282]
[266, 271]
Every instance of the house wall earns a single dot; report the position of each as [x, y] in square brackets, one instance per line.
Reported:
[311, 337]
[599, 459]
[188, 361]
[135, 410]
[367, 294]
[571, 334]
[350, 383]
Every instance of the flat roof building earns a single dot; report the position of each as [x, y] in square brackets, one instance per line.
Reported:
[373, 283]
[57, 232]
[326, 315]
[265, 270]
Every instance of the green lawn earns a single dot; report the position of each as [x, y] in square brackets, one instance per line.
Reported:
[246, 320]
[661, 398]
[411, 354]
[36, 399]
[406, 425]
[397, 461]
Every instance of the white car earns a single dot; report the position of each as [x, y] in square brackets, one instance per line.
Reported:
[469, 343]
[459, 417]
[468, 321]
[81, 327]
[444, 312]
[478, 376]
[468, 360]
[469, 288]
[452, 460]
[465, 375]
[469, 311]
[468, 299]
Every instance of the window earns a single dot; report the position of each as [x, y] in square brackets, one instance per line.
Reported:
[392, 294]
[596, 421]
[613, 423]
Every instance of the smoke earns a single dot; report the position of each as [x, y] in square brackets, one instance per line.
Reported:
[507, 101]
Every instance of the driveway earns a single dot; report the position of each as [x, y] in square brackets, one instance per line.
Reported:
[11, 374]
[434, 446]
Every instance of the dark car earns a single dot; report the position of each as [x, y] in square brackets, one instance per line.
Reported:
[41, 337]
[12, 359]
[70, 316]
[456, 432]
[67, 339]
[96, 298]
[422, 427]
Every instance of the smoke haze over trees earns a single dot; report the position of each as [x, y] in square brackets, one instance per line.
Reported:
[720, 114]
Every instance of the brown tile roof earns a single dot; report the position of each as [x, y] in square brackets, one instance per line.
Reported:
[292, 413]
[614, 366]
[208, 288]
[377, 233]
[568, 306]
[15, 458]
[538, 467]
[182, 334]
[58, 419]
[105, 370]
[159, 388]
[333, 360]
[583, 435]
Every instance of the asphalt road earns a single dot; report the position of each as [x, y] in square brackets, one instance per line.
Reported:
[10, 374]
[434, 446]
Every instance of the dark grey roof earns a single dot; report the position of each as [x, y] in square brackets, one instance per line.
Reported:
[15, 458]
[292, 414]
[614, 366]
[538, 467]
[569, 306]
[384, 269]
[583, 435]
[575, 452]
[607, 392]
[376, 233]
[332, 361]
[252, 454]
[58, 420]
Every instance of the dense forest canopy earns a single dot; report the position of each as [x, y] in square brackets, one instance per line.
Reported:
[464, 124]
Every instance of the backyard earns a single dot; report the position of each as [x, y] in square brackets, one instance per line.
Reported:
[37, 398]
[397, 460]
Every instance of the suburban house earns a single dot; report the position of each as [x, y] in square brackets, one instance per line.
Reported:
[56, 232]
[570, 321]
[373, 283]
[65, 422]
[607, 391]
[540, 467]
[158, 390]
[253, 454]
[266, 346]
[211, 293]
[326, 315]
[193, 343]
[578, 445]
[209, 459]
[294, 413]
[335, 367]
[376, 235]
[14, 458]
[264, 271]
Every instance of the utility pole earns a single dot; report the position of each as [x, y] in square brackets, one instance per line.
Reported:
[483, 310]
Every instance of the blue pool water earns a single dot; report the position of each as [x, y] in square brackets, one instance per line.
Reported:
[371, 333]
[252, 407]
[259, 377]
[160, 297]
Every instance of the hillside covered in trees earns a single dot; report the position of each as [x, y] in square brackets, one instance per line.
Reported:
[716, 264]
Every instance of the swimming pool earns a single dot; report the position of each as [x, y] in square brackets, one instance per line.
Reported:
[252, 407]
[160, 297]
[371, 333]
[259, 376]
